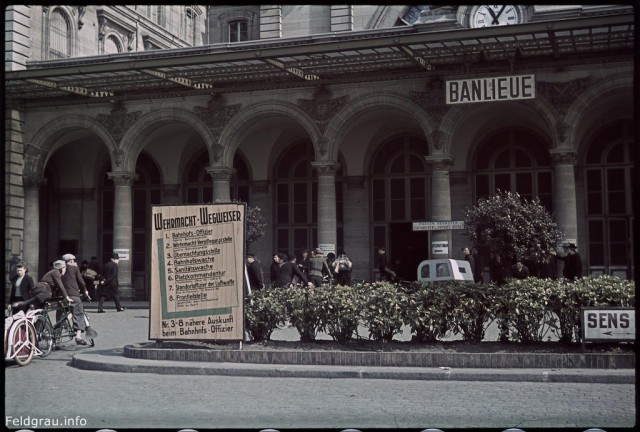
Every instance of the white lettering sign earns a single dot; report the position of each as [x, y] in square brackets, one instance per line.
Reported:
[123, 254]
[491, 89]
[440, 247]
[439, 225]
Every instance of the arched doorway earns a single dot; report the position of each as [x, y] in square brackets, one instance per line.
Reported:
[609, 205]
[398, 198]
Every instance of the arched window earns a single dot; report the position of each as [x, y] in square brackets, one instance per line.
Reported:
[296, 200]
[59, 35]
[608, 174]
[112, 45]
[515, 161]
[238, 30]
[399, 191]
[189, 26]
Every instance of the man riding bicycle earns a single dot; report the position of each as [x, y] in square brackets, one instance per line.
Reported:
[73, 283]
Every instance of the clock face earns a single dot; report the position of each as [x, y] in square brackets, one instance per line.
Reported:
[492, 16]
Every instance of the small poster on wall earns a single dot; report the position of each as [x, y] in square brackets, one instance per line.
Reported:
[197, 272]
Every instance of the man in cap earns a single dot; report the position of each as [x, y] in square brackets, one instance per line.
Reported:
[110, 283]
[318, 268]
[74, 283]
[254, 272]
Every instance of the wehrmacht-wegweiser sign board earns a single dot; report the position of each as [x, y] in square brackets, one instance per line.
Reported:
[197, 272]
[608, 324]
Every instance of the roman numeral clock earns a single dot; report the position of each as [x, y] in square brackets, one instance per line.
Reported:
[493, 16]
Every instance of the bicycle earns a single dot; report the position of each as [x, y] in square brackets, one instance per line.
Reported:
[19, 336]
[49, 335]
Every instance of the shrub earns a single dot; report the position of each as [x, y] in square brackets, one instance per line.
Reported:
[472, 310]
[383, 310]
[263, 310]
[339, 311]
[303, 306]
[428, 311]
[526, 304]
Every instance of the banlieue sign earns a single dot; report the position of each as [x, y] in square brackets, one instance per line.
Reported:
[197, 272]
[491, 89]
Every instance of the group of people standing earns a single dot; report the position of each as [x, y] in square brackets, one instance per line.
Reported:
[67, 280]
[500, 270]
[310, 268]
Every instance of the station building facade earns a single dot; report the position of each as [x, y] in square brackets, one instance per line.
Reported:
[345, 125]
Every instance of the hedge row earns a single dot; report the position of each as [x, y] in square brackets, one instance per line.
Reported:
[528, 309]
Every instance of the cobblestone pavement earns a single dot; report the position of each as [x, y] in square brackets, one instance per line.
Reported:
[49, 390]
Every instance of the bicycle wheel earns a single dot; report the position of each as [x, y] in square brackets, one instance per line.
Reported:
[63, 333]
[44, 335]
[24, 341]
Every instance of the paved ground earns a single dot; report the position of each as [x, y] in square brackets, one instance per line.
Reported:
[49, 390]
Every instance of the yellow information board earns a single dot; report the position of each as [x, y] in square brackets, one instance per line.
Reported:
[197, 272]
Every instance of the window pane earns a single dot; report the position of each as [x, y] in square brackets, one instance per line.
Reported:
[397, 193]
[522, 159]
[415, 164]
[398, 165]
[616, 154]
[283, 241]
[524, 185]
[596, 242]
[544, 183]
[503, 182]
[617, 202]
[503, 160]
[58, 35]
[482, 186]
[192, 195]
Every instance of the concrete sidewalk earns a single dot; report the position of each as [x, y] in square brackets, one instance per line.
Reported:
[142, 358]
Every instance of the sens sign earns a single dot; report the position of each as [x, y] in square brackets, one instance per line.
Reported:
[608, 324]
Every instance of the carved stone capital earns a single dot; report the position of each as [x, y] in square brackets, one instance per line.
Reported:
[260, 186]
[221, 173]
[355, 182]
[33, 182]
[561, 130]
[326, 167]
[122, 178]
[437, 136]
[563, 156]
[439, 163]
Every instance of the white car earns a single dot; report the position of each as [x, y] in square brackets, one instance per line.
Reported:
[444, 269]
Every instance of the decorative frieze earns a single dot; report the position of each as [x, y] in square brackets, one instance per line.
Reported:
[217, 113]
[562, 95]
[33, 182]
[119, 121]
[432, 100]
[322, 107]
[439, 163]
[221, 173]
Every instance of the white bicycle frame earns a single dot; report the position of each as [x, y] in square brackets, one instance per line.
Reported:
[9, 323]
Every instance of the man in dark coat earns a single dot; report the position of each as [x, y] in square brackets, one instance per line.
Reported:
[288, 271]
[109, 286]
[274, 273]
[21, 283]
[497, 270]
[254, 273]
[572, 263]
[74, 284]
[519, 270]
[49, 285]
[383, 266]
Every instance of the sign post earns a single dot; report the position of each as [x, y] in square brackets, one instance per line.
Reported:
[197, 272]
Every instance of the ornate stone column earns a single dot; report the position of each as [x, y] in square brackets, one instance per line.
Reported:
[31, 240]
[327, 232]
[564, 196]
[440, 199]
[123, 227]
[221, 183]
